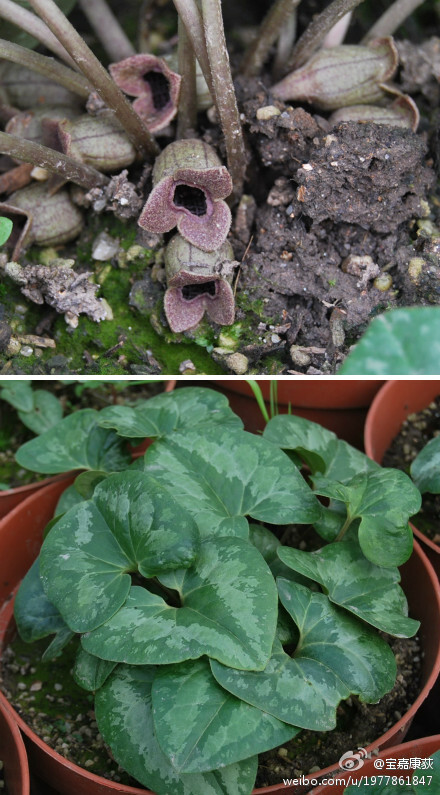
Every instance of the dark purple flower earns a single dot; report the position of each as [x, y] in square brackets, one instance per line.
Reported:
[189, 184]
[151, 80]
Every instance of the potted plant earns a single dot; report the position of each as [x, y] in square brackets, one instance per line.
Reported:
[13, 755]
[39, 411]
[204, 638]
[393, 404]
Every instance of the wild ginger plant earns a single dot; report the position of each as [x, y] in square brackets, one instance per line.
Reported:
[205, 640]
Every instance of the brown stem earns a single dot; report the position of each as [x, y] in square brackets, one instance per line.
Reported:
[270, 30]
[28, 22]
[317, 30]
[392, 18]
[55, 162]
[107, 28]
[284, 45]
[48, 67]
[192, 20]
[15, 178]
[224, 93]
[187, 116]
[89, 65]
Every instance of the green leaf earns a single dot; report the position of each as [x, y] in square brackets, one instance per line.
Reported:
[347, 647]
[399, 342]
[90, 672]
[68, 499]
[131, 524]
[18, 393]
[76, 442]
[370, 592]
[225, 475]
[189, 408]
[125, 720]
[5, 229]
[45, 413]
[383, 501]
[200, 726]
[86, 482]
[425, 469]
[318, 447]
[36, 617]
[229, 612]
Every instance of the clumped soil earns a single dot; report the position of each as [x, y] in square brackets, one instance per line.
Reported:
[417, 430]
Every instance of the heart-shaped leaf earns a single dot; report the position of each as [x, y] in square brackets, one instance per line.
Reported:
[224, 475]
[346, 646]
[425, 469]
[370, 592]
[131, 524]
[229, 612]
[383, 501]
[189, 408]
[18, 393]
[46, 411]
[90, 672]
[125, 720]
[318, 447]
[200, 726]
[74, 443]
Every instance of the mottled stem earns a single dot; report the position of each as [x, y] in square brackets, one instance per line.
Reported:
[107, 28]
[93, 70]
[392, 18]
[187, 114]
[224, 93]
[28, 22]
[285, 43]
[191, 17]
[55, 162]
[317, 30]
[48, 67]
[268, 33]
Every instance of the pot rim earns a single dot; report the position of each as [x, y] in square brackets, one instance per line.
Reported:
[20, 754]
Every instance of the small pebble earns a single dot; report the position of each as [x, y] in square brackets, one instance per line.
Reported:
[105, 247]
[267, 112]
[26, 350]
[238, 363]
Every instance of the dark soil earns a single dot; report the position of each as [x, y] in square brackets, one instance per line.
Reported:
[416, 432]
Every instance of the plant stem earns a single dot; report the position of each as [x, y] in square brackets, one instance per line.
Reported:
[191, 17]
[392, 18]
[224, 93]
[317, 30]
[97, 75]
[46, 66]
[187, 115]
[256, 389]
[107, 28]
[270, 30]
[30, 23]
[344, 528]
[284, 46]
[55, 162]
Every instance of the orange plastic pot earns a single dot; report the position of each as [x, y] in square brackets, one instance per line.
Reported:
[12, 497]
[421, 749]
[394, 402]
[20, 541]
[337, 404]
[13, 754]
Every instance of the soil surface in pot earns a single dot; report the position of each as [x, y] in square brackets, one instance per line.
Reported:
[416, 432]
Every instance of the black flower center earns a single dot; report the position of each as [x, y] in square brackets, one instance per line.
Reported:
[192, 199]
[190, 291]
[160, 89]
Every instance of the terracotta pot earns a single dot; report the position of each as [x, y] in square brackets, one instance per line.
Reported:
[20, 540]
[420, 749]
[389, 409]
[12, 497]
[339, 405]
[13, 754]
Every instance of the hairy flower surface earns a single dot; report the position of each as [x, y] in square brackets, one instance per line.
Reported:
[154, 84]
[198, 282]
[189, 184]
[340, 76]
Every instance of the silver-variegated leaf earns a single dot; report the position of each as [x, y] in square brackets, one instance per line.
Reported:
[228, 612]
[91, 672]
[350, 580]
[425, 469]
[125, 720]
[201, 727]
[164, 414]
[131, 524]
[225, 475]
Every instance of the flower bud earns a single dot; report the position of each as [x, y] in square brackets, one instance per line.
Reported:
[32, 124]
[97, 141]
[52, 220]
[402, 112]
[189, 183]
[151, 80]
[26, 89]
[198, 282]
[340, 76]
